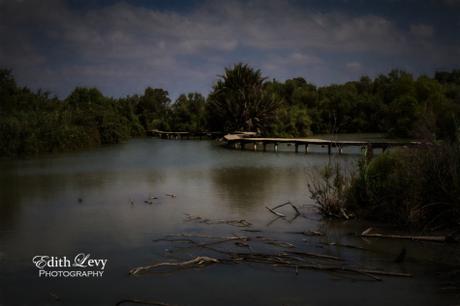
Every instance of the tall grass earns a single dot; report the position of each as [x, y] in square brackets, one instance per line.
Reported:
[328, 189]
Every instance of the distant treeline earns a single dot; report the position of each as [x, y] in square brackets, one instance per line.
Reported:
[242, 99]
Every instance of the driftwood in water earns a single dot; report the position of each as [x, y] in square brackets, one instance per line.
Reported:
[367, 233]
[142, 302]
[199, 261]
[282, 244]
[241, 240]
[322, 256]
[308, 233]
[198, 219]
[273, 209]
[275, 213]
[291, 259]
[350, 246]
[276, 260]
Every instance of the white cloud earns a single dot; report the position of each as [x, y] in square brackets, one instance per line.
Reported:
[354, 66]
[422, 30]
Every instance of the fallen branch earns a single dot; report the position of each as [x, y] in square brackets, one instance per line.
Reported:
[323, 256]
[199, 261]
[276, 213]
[335, 244]
[237, 223]
[289, 259]
[367, 234]
[282, 244]
[308, 233]
[272, 210]
[143, 302]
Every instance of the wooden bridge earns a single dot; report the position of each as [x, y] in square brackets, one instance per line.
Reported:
[185, 135]
[241, 141]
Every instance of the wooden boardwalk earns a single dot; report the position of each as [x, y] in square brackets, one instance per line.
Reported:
[185, 135]
[241, 141]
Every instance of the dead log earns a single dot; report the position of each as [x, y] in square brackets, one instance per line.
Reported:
[354, 270]
[237, 223]
[199, 261]
[282, 244]
[367, 233]
[323, 256]
[143, 302]
[308, 233]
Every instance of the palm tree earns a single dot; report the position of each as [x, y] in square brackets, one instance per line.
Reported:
[239, 102]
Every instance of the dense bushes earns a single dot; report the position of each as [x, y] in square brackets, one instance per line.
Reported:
[416, 187]
[32, 123]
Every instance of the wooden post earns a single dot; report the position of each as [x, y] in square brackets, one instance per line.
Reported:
[275, 147]
[235, 145]
[369, 152]
[329, 148]
[241, 145]
[297, 148]
[306, 148]
[265, 146]
[255, 146]
[340, 150]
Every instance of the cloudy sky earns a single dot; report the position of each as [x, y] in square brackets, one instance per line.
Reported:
[121, 47]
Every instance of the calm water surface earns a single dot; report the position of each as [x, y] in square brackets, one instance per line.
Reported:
[40, 213]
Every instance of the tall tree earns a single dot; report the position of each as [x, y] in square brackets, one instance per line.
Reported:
[238, 101]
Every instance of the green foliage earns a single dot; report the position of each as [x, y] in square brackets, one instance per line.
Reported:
[152, 109]
[32, 123]
[419, 188]
[409, 187]
[291, 122]
[395, 104]
[239, 102]
[188, 113]
[328, 189]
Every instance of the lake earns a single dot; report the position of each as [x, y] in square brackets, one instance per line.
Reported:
[94, 202]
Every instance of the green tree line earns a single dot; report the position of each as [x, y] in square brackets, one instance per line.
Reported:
[397, 104]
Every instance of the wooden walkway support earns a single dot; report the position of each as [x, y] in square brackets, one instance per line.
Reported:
[185, 135]
[241, 140]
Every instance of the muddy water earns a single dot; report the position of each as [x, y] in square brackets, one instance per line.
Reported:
[94, 202]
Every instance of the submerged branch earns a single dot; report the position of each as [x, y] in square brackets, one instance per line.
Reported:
[367, 234]
[199, 261]
[273, 209]
[143, 302]
[198, 219]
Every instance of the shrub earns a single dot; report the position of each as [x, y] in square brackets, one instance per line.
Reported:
[329, 190]
[411, 187]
